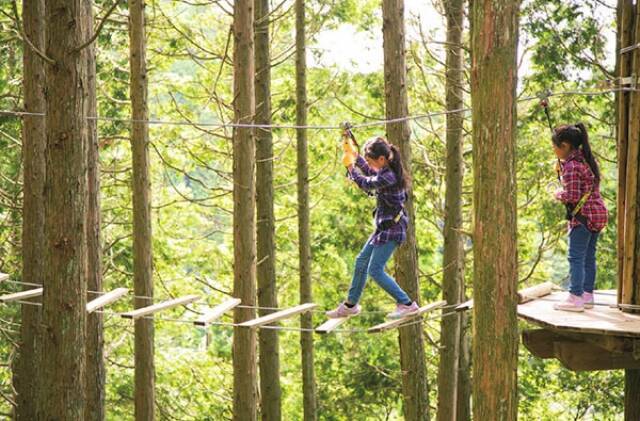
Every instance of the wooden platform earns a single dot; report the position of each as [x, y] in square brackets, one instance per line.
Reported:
[601, 319]
[601, 338]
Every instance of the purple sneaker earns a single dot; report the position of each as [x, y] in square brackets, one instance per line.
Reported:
[403, 310]
[572, 303]
[344, 311]
[587, 299]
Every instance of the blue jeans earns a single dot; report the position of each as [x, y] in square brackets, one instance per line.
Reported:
[371, 261]
[582, 259]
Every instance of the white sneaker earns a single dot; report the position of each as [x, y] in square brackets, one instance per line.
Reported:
[403, 310]
[572, 303]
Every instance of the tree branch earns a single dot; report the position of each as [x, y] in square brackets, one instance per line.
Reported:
[99, 29]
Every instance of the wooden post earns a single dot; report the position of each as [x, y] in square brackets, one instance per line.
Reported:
[144, 349]
[26, 376]
[244, 237]
[494, 40]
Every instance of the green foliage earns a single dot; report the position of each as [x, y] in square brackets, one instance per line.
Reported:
[190, 79]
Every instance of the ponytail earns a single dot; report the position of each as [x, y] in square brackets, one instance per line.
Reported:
[586, 151]
[576, 135]
[395, 163]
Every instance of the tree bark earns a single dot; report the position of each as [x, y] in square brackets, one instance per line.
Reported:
[270, 392]
[26, 372]
[494, 41]
[453, 259]
[463, 402]
[65, 199]
[631, 393]
[95, 340]
[412, 357]
[304, 237]
[244, 228]
[142, 248]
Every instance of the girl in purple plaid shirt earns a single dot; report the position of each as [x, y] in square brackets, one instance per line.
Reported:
[380, 172]
[586, 211]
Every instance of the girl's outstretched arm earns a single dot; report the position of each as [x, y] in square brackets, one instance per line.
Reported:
[377, 181]
[570, 192]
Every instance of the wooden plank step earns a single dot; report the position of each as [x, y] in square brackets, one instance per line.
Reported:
[145, 311]
[106, 299]
[395, 323]
[216, 312]
[22, 295]
[331, 324]
[279, 315]
[524, 295]
[4, 276]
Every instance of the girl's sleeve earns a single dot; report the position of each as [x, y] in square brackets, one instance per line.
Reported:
[377, 181]
[570, 192]
[364, 167]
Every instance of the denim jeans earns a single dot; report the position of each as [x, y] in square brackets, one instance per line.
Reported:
[371, 261]
[582, 259]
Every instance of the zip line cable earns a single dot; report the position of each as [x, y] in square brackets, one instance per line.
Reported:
[365, 124]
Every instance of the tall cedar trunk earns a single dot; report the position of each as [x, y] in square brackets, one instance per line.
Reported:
[26, 368]
[463, 411]
[631, 394]
[453, 260]
[142, 249]
[412, 357]
[244, 227]
[95, 340]
[65, 284]
[494, 43]
[270, 392]
[304, 238]
[629, 286]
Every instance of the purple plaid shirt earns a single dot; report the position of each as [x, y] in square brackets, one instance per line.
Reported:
[390, 199]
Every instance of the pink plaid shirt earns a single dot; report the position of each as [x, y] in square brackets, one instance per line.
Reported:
[577, 179]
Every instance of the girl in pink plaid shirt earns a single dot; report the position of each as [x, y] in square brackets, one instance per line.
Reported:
[586, 211]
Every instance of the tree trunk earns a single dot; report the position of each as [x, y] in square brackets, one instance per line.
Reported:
[463, 411]
[631, 394]
[244, 228]
[95, 340]
[494, 41]
[412, 358]
[142, 248]
[453, 259]
[26, 370]
[65, 199]
[304, 237]
[270, 393]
